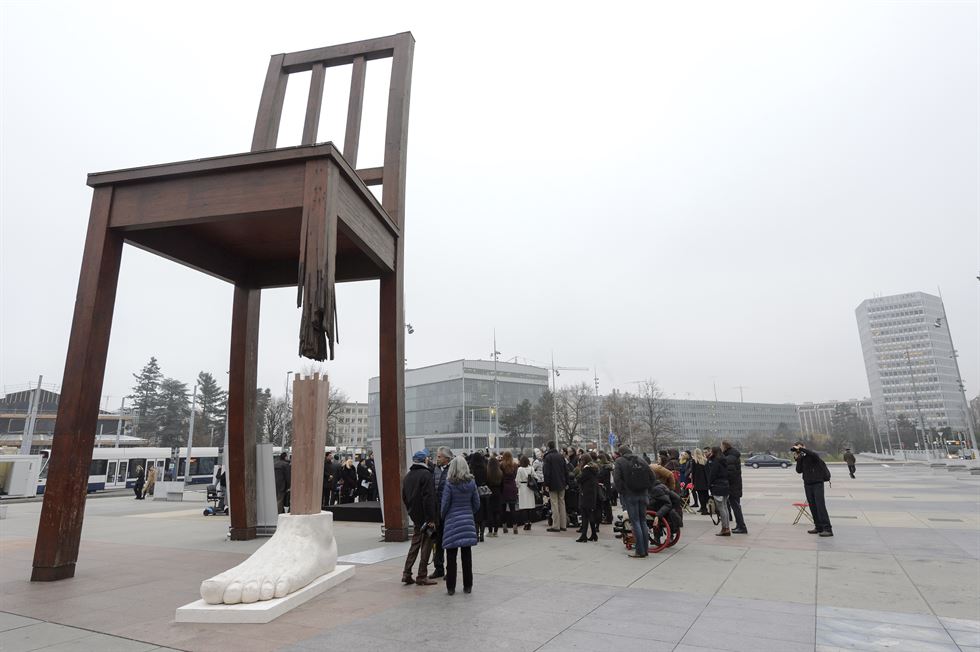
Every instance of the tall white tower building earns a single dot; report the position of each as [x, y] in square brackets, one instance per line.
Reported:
[908, 354]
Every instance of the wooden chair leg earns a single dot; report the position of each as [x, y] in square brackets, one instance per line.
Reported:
[392, 405]
[60, 530]
[242, 385]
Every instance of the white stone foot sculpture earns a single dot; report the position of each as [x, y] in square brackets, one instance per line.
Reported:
[302, 549]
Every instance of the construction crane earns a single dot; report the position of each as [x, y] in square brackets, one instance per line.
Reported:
[741, 389]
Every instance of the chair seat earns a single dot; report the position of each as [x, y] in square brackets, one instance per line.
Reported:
[240, 217]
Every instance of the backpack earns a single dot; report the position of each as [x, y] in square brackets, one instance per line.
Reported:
[825, 469]
[638, 475]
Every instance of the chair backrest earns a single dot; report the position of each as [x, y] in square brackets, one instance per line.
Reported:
[399, 48]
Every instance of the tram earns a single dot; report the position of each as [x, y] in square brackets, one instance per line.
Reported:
[115, 468]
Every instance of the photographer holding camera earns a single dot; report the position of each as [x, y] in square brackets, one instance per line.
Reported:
[815, 473]
[419, 496]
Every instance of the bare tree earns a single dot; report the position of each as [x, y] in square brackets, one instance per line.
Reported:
[574, 410]
[277, 422]
[335, 404]
[621, 413]
[653, 412]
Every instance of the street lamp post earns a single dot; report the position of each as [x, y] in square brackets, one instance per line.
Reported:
[971, 426]
[918, 407]
[473, 412]
[190, 440]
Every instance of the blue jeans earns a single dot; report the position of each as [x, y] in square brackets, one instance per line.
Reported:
[636, 508]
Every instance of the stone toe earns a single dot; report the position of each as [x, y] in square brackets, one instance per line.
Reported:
[267, 589]
[233, 594]
[282, 587]
[213, 590]
[250, 591]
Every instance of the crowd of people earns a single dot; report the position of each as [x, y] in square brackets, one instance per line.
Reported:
[456, 502]
[345, 480]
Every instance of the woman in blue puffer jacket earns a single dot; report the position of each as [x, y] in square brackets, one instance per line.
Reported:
[460, 501]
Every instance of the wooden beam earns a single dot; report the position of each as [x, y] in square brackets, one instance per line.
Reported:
[195, 253]
[340, 55]
[217, 195]
[314, 104]
[242, 387]
[227, 163]
[372, 176]
[282, 273]
[363, 228]
[396, 129]
[60, 528]
[391, 333]
[355, 105]
[270, 106]
[310, 401]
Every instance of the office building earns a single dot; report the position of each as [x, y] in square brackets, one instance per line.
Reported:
[15, 412]
[696, 421]
[349, 426]
[908, 355]
[817, 418]
[460, 403]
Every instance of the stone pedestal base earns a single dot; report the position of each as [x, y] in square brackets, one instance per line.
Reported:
[263, 611]
[302, 550]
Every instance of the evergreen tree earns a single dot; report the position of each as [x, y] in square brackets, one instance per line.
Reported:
[211, 405]
[172, 413]
[517, 423]
[146, 398]
[848, 430]
[543, 415]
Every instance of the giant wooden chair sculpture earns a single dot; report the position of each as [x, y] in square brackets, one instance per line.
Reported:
[270, 218]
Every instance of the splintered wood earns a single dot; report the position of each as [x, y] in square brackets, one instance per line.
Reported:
[318, 263]
[310, 397]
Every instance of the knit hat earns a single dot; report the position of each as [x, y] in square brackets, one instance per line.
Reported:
[420, 456]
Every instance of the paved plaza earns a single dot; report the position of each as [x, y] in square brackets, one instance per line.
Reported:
[902, 573]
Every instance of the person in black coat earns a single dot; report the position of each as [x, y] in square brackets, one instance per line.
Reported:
[365, 477]
[667, 504]
[556, 479]
[283, 475]
[699, 478]
[571, 491]
[419, 496]
[373, 492]
[327, 480]
[815, 473]
[348, 481]
[140, 479]
[733, 459]
[588, 498]
[478, 467]
[606, 488]
[718, 485]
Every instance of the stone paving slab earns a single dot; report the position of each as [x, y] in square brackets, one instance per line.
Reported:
[912, 551]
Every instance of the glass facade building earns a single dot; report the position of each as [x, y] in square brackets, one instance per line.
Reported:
[460, 403]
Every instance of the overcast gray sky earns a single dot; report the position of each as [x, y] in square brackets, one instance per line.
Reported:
[690, 193]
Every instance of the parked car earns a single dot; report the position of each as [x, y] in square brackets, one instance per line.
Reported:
[767, 460]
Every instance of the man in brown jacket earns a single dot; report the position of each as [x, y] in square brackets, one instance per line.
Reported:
[850, 461]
